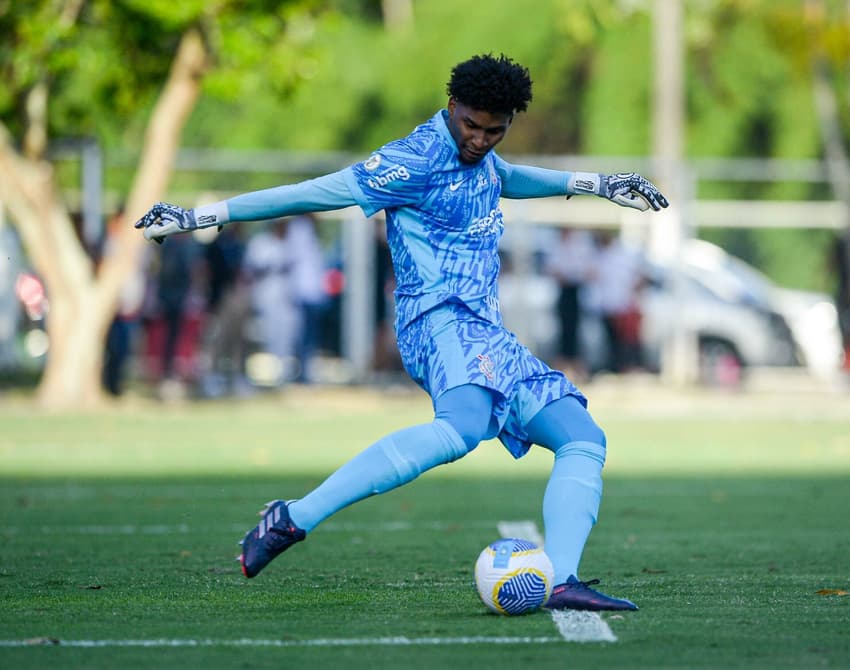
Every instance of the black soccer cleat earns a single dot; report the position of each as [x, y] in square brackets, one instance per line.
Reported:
[272, 536]
[576, 595]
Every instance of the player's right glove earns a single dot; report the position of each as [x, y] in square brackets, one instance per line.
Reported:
[165, 219]
[624, 188]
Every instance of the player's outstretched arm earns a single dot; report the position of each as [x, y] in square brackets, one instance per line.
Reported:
[314, 195]
[624, 188]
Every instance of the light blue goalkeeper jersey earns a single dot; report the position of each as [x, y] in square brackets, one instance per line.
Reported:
[443, 217]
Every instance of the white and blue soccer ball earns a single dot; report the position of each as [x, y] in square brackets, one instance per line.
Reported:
[514, 576]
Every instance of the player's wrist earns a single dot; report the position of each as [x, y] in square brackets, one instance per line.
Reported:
[207, 216]
[586, 183]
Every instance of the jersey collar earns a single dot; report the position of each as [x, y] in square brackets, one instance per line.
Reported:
[440, 120]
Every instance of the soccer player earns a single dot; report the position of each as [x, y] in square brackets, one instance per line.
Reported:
[440, 188]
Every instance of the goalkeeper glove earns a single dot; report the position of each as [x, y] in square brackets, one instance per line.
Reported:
[624, 188]
[165, 219]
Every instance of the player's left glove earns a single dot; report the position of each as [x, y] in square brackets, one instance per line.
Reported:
[165, 219]
[624, 188]
[632, 190]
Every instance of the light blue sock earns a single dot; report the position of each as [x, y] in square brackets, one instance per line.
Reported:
[392, 461]
[571, 504]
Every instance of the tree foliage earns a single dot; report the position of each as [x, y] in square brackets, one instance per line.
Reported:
[748, 78]
[105, 60]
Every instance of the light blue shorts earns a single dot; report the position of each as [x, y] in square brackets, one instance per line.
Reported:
[450, 346]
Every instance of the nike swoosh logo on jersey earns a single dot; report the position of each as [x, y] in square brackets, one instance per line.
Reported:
[454, 186]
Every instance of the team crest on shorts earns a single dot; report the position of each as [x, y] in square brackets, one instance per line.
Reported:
[486, 366]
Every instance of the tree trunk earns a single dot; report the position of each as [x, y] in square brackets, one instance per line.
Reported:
[82, 304]
[398, 15]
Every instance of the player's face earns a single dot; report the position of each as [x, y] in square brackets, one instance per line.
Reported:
[475, 131]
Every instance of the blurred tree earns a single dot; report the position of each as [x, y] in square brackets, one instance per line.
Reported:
[768, 78]
[375, 84]
[84, 67]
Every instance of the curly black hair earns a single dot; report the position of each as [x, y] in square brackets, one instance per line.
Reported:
[491, 84]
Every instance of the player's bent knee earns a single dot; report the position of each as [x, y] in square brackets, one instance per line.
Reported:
[467, 409]
[592, 450]
[563, 421]
[467, 433]
[470, 432]
[592, 433]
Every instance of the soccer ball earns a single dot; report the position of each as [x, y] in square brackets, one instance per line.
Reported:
[514, 576]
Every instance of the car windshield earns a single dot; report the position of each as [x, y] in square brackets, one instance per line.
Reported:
[729, 277]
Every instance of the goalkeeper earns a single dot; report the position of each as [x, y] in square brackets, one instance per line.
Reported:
[440, 188]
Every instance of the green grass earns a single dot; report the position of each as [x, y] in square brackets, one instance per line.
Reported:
[723, 517]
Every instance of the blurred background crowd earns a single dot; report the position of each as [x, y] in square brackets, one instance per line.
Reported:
[256, 307]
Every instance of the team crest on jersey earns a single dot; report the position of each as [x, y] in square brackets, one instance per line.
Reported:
[486, 366]
[372, 163]
[486, 225]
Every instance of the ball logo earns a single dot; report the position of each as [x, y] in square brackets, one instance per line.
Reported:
[504, 550]
[514, 594]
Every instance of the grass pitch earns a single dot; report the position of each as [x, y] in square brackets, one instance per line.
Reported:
[726, 518]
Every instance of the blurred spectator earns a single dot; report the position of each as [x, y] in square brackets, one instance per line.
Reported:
[616, 280]
[330, 321]
[570, 262]
[223, 257]
[228, 309]
[175, 279]
[308, 290]
[268, 268]
[121, 334]
[173, 283]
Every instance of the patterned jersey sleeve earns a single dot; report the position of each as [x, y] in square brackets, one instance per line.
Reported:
[394, 176]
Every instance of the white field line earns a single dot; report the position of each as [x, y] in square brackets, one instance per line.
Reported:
[521, 530]
[320, 642]
[578, 626]
[573, 625]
